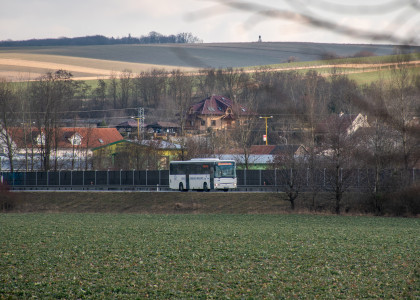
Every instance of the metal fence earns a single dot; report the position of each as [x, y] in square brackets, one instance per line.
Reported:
[321, 178]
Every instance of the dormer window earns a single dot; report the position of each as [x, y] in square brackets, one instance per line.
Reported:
[40, 139]
[75, 139]
[101, 141]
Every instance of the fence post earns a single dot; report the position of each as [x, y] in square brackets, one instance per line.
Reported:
[146, 177]
[324, 177]
[95, 177]
[275, 177]
[291, 175]
[133, 176]
[107, 177]
[48, 177]
[120, 175]
[36, 178]
[260, 178]
[83, 177]
[160, 183]
[244, 177]
[71, 177]
[413, 176]
[59, 177]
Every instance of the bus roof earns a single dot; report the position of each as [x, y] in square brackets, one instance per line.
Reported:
[202, 160]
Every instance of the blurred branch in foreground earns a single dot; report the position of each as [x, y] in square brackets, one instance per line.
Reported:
[303, 12]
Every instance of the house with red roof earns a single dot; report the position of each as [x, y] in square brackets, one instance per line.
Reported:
[216, 112]
[71, 148]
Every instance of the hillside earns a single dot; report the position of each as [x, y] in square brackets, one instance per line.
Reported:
[91, 62]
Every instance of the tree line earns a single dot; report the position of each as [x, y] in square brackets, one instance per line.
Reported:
[152, 38]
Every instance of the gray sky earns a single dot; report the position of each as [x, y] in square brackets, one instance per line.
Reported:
[215, 21]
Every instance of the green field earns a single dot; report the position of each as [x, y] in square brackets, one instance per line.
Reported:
[208, 256]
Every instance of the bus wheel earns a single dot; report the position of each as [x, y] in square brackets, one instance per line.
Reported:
[205, 187]
[181, 187]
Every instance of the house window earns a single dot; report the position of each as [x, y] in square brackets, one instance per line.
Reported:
[203, 122]
[213, 122]
[40, 139]
[76, 139]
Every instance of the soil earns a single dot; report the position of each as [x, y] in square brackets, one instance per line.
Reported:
[146, 202]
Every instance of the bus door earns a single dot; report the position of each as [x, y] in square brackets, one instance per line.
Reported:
[212, 177]
[187, 177]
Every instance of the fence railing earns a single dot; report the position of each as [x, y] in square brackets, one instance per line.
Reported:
[321, 178]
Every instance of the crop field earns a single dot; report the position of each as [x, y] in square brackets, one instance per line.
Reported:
[93, 62]
[208, 256]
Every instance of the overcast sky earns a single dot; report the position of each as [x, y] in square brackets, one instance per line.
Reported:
[216, 21]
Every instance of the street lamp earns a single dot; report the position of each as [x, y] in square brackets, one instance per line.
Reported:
[266, 136]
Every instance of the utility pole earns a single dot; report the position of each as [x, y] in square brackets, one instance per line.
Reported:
[266, 136]
[140, 121]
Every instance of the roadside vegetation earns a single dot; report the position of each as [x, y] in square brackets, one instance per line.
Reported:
[208, 256]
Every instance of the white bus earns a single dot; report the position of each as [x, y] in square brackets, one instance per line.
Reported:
[202, 174]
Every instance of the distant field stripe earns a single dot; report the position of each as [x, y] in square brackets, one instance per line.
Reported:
[53, 66]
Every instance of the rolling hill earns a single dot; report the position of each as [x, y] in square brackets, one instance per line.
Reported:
[92, 62]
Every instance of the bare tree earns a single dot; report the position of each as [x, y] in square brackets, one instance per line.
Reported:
[113, 89]
[338, 149]
[243, 136]
[8, 115]
[402, 102]
[206, 83]
[125, 87]
[49, 94]
[314, 113]
[291, 172]
[180, 88]
[152, 86]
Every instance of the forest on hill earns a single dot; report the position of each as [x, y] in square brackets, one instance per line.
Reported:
[152, 38]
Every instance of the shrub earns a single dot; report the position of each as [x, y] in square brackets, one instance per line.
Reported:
[7, 199]
[405, 202]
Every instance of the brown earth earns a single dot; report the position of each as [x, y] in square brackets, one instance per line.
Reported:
[145, 202]
[171, 202]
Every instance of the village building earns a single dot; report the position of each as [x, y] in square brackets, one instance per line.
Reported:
[343, 124]
[71, 147]
[215, 112]
[263, 156]
[161, 127]
[145, 154]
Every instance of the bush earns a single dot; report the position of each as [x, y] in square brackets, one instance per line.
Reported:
[405, 202]
[7, 199]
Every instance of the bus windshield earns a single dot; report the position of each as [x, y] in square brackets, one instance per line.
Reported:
[225, 170]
